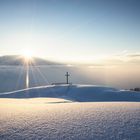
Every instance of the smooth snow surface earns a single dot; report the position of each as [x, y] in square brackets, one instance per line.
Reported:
[59, 119]
[81, 93]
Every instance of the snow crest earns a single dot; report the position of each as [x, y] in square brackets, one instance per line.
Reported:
[81, 93]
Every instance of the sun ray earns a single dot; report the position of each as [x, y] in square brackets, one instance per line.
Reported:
[27, 62]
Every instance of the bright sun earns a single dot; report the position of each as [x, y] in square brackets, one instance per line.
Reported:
[28, 54]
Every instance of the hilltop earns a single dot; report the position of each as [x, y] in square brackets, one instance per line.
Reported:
[81, 93]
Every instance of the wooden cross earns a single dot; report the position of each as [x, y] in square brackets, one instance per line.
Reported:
[67, 78]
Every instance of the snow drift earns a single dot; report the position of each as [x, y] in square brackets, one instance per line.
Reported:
[81, 93]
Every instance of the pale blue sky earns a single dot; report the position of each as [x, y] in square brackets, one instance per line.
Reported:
[70, 30]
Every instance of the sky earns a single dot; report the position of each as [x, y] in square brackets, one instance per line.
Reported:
[84, 31]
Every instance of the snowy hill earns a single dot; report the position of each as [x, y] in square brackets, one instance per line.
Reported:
[58, 117]
[81, 93]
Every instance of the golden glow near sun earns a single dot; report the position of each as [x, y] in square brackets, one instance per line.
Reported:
[28, 59]
[28, 54]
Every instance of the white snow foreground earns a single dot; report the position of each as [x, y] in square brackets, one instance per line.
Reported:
[57, 117]
[81, 93]
[37, 119]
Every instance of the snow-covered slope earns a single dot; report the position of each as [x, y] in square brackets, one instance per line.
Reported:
[81, 93]
[59, 118]
[36, 119]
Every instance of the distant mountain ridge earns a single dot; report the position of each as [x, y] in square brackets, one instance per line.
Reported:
[20, 60]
